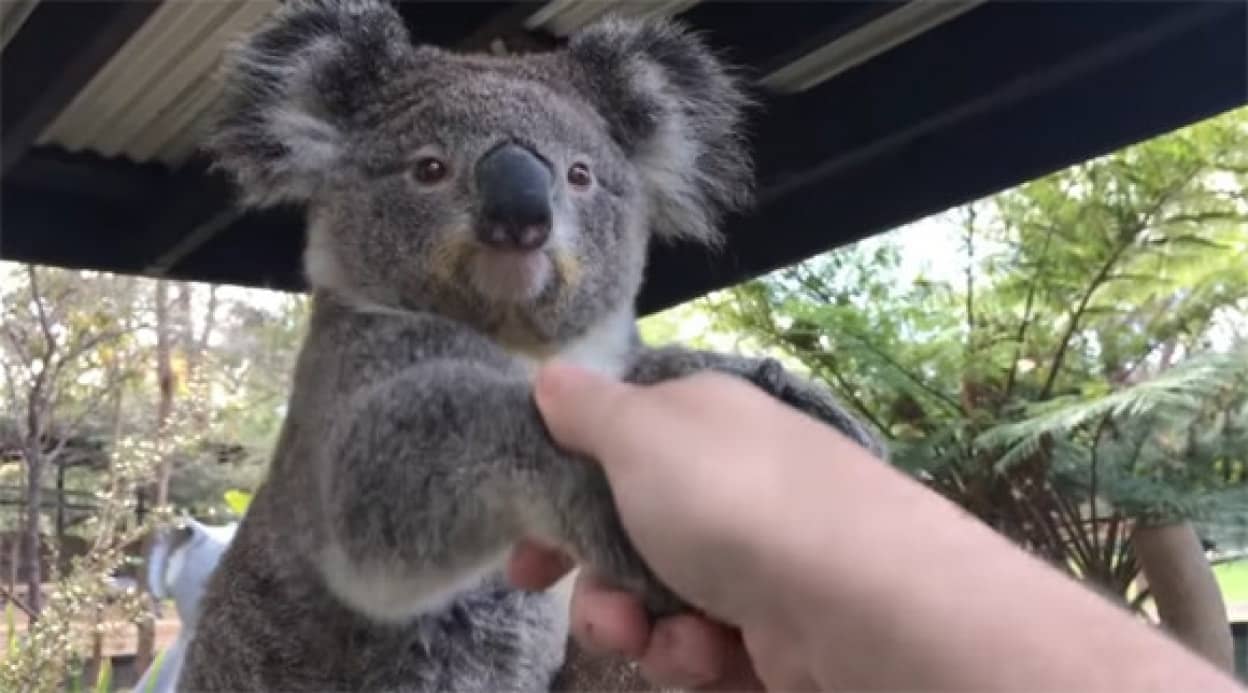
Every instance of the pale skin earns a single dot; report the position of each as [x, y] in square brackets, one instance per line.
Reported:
[817, 566]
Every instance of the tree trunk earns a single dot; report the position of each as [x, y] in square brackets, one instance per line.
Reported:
[165, 380]
[60, 506]
[15, 558]
[1189, 601]
[194, 346]
[32, 541]
[96, 662]
[164, 409]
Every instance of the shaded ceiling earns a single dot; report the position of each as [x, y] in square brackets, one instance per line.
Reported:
[874, 114]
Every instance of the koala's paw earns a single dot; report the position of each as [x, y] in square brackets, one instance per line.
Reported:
[618, 564]
[659, 600]
[813, 399]
[591, 528]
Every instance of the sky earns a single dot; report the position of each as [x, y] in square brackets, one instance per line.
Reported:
[930, 247]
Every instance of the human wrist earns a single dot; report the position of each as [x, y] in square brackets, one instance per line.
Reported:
[804, 520]
[827, 559]
[844, 598]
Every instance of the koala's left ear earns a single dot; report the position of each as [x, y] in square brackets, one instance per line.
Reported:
[677, 111]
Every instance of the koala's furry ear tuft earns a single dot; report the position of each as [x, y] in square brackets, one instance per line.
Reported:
[678, 111]
[294, 89]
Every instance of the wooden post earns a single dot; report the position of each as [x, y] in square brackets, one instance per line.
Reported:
[1189, 601]
[60, 505]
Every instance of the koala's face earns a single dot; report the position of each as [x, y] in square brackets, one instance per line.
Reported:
[518, 194]
[487, 196]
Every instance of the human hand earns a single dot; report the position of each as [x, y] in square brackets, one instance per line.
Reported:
[686, 651]
[694, 498]
[785, 535]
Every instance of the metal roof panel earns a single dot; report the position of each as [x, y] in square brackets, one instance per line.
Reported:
[142, 103]
[1003, 92]
[13, 14]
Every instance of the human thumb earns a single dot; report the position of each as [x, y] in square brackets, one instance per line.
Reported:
[577, 406]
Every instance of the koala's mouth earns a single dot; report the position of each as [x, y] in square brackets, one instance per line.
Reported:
[510, 276]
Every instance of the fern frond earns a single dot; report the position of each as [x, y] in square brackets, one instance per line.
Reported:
[1175, 394]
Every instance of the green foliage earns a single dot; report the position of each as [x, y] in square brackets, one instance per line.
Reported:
[1064, 359]
[10, 625]
[104, 680]
[155, 672]
[683, 324]
[1168, 404]
[79, 350]
[238, 501]
[1233, 580]
[44, 658]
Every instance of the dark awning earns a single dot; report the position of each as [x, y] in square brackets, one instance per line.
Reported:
[876, 114]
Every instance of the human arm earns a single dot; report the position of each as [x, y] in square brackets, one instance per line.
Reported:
[835, 570]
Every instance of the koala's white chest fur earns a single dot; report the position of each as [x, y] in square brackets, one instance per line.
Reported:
[604, 348]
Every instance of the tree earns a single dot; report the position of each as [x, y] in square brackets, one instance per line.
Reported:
[246, 365]
[64, 360]
[144, 397]
[1001, 382]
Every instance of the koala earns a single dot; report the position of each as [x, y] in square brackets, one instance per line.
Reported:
[469, 217]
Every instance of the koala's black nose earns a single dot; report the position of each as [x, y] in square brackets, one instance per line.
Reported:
[515, 187]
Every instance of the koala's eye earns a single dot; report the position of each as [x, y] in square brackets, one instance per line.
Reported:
[429, 170]
[579, 176]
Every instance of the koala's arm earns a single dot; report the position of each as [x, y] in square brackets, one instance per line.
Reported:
[652, 365]
[431, 474]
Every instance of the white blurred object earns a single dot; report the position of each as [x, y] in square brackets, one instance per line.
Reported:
[181, 561]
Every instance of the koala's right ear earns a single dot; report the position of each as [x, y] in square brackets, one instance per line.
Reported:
[294, 89]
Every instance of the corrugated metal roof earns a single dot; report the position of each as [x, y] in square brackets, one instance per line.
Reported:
[13, 14]
[562, 17]
[151, 98]
[150, 101]
[924, 137]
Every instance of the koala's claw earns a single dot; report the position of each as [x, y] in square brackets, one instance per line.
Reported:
[623, 568]
[661, 601]
[630, 574]
[768, 375]
[596, 531]
[815, 400]
[771, 376]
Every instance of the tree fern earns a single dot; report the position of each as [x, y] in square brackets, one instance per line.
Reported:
[1170, 400]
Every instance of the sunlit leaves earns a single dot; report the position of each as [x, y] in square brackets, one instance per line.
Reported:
[79, 348]
[1066, 362]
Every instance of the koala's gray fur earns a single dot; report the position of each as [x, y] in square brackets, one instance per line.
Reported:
[412, 456]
